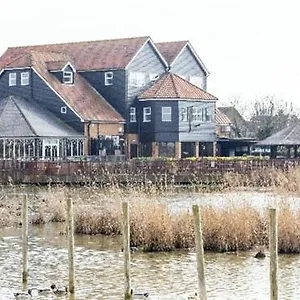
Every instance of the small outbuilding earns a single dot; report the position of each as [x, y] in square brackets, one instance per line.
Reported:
[284, 142]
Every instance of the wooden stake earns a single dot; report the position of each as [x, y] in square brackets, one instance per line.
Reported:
[126, 247]
[25, 239]
[200, 252]
[273, 246]
[71, 245]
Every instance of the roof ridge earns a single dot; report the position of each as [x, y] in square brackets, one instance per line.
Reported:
[178, 41]
[80, 42]
[174, 84]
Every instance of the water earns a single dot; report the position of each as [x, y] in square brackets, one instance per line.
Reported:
[99, 262]
[99, 269]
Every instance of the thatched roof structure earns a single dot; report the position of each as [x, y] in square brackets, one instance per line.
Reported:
[289, 136]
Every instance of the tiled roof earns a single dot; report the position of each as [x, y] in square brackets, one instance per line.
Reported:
[56, 65]
[221, 118]
[20, 118]
[171, 86]
[170, 50]
[92, 55]
[80, 96]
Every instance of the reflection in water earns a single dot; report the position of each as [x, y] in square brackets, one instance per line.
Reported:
[99, 269]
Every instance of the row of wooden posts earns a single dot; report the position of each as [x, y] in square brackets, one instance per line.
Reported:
[273, 248]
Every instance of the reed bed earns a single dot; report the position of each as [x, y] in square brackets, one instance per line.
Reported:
[234, 227]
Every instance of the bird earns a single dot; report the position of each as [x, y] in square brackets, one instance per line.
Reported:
[23, 295]
[59, 291]
[139, 295]
[193, 297]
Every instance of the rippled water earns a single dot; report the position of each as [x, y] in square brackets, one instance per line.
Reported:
[99, 269]
[99, 263]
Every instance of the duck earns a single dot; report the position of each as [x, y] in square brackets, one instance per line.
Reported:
[260, 254]
[23, 295]
[193, 297]
[59, 291]
[140, 295]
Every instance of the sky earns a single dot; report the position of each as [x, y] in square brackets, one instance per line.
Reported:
[251, 48]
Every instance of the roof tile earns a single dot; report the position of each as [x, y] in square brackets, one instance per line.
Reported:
[92, 55]
[171, 86]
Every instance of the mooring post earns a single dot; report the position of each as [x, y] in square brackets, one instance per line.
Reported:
[273, 246]
[25, 240]
[71, 245]
[200, 252]
[126, 247]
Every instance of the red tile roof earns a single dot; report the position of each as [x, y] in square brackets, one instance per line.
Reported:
[80, 96]
[170, 50]
[171, 86]
[92, 55]
[56, 65]
[221, 118]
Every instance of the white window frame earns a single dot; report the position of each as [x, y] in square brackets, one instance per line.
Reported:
[68, 77]
[197, 81]
[63, 110]
[166, 114]
[25, 78]
[108, 78]
[153, 76]
[147, 114]
[132, 114]
[12, 79]
[137, 79]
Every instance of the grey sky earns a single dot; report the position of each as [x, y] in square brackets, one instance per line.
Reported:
[251, 48]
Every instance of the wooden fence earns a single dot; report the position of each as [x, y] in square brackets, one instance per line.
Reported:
[134, 171]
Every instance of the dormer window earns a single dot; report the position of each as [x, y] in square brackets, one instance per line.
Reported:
[108, 78]
[12, 79]
[25, 78]
[68, 77]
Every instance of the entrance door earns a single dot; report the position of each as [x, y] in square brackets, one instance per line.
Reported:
[133, 150]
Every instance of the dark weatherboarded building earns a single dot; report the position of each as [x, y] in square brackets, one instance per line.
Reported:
[177, 119]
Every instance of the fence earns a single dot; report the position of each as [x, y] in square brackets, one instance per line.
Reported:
[134, 171]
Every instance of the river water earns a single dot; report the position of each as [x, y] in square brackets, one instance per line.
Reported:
[99, 266]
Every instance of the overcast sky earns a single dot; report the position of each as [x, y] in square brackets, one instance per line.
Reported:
[251, 48]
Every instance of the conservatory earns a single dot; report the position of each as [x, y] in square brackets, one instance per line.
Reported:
[28, 131]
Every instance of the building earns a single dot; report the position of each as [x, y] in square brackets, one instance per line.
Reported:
[99, 90]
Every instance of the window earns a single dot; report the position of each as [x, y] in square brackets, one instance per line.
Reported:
[166, 114]
[24, 78]
[108, 78]
[183, 114]
[147, 114]
[12, 79]
[68, 77]
[132, 114]
[63, 110]
[137, 79]
[197, 80]
[225, 128]
[153, 76]
[207, 115]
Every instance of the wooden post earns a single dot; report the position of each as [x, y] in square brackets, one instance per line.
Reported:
[273, 246]
[200, 252]
[25, 240]
[126, 247]
[71, 245]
